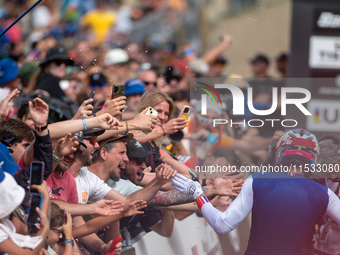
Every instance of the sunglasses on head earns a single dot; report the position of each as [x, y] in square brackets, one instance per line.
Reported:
[58, 62]
[100, 84]
[147, 83]
[93, 139]
[140, 161]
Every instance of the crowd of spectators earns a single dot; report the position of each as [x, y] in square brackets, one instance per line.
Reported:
[107, 157]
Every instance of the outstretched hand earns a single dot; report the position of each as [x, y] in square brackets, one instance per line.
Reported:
[107, 122]
[5, 106]
[108, 207]
[226, 186]
[187, 186]
[39, 112]
[66, 145]
[164, 172]
[221, 203]
[133, 208]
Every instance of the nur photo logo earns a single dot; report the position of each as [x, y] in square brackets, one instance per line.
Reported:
[242, 98]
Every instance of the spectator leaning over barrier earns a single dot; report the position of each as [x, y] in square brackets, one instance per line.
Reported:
[91, 187]
[151, 220]
[163, 104]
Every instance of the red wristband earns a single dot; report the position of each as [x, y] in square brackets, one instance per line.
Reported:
[201, 201]
[113, 246]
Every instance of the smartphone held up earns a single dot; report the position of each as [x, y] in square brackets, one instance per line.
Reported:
[36, 173]
[151, 111]
[185, 113]
[36, 201]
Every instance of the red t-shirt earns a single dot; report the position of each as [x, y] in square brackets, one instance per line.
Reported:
[63, 188]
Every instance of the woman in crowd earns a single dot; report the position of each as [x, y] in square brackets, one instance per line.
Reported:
[152, 141]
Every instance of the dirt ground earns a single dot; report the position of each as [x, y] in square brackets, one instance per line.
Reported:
[265, 29]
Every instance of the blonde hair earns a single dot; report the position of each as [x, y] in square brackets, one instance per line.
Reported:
[153, 97]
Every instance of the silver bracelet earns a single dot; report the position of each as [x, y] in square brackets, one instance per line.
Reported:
[55, 158]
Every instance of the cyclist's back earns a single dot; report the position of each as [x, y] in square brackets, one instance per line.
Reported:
[284, 211]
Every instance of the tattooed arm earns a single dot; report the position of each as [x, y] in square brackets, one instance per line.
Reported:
[175, 197]
[163, 174]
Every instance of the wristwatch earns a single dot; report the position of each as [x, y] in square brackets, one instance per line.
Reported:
[69, 241]
[41, 128]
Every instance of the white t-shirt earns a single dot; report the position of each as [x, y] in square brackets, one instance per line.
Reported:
[90, 186]
[8, 231]
[124, 187]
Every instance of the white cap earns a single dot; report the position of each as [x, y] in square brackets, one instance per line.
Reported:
[12, 195]
[116, 57]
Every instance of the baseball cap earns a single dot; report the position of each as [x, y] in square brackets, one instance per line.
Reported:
[57, 52]
[259, 58]
[87, 134]
[124, 138]
[97, 79]
[329, 149]
[136, 150]
[7, 163]
[134, 86]
[116, 57]
[8, 70]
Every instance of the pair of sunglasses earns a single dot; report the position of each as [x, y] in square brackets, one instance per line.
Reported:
[140, 161]
[99, 84]
[147, 83]
[93, 139]
[59, 62]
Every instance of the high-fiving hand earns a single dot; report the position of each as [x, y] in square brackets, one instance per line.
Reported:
[187, 186]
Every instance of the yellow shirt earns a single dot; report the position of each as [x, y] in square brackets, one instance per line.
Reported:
[100, 23]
